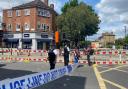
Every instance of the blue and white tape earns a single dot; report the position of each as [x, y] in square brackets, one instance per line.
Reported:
[37, 79]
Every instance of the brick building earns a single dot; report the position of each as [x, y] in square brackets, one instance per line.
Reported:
[30, 25]
[1, 32]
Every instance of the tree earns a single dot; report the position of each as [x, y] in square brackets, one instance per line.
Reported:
[77, 20]
[126, 39]
[71, 3]
[119, 42]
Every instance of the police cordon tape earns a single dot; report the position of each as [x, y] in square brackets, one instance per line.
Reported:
[37, 79]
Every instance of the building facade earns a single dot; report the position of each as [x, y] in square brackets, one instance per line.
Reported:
[95, 44]
[106, 39]
[30, 25]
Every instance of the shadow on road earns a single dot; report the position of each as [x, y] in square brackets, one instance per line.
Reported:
[79, 66]
[66, 82]
[8, 73]
[1, 65]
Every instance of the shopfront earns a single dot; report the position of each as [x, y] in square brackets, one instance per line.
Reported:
[32, 41]
[43, 43]
[11, 43]
[27, 43]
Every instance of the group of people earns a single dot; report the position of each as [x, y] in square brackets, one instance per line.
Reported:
[52, 55]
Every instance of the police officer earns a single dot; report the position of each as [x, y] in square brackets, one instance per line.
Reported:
[52, 55]
[66, 55]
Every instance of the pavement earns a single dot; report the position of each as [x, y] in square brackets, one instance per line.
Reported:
[84, 77]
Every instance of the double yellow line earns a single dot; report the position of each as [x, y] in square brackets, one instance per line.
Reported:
[99, 78]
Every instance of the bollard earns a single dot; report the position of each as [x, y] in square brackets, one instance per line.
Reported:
[120, 57]
[29, 52]
[40, 52]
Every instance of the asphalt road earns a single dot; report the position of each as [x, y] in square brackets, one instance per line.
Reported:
[114, 76]
[84, 77]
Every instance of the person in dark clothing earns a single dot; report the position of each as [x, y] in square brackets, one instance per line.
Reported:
[89, 51]
[52, 59]
[66, 55]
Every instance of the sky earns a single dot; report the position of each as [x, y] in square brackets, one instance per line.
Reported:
[112, 13]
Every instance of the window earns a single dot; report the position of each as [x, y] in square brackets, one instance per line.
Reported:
[27, 12]
[17, 27]
[48, 14]
[27, 26]
[17, 12]
[9, 27]
[42, 26]
[9, 13]
[38, 25]
[43, 12]
[45, 27]
[0, 26]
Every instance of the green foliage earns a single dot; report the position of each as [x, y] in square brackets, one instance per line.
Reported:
[84, 44]
[126, 40]
[119, 42]
[77, 20]
[68, 5]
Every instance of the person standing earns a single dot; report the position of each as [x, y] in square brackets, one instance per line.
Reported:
[89, 53]
[76, 55]
[52, 55]
[66, 55]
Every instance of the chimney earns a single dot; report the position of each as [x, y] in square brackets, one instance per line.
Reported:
[52, 6]
[46, 2]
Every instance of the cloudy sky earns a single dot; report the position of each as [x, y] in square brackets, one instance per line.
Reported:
[113, 13]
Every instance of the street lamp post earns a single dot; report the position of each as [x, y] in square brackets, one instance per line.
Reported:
[22, 37]
[125, 28]
[3, 27]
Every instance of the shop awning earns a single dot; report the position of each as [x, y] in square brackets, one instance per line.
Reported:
[44, 40]
[12, 40]
[27, 40]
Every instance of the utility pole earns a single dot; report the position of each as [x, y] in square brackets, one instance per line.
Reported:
[125, 28]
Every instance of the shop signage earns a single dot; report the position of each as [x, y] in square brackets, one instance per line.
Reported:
[26, 35]
[8, 35]
[44, 36]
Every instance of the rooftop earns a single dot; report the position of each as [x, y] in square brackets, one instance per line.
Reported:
[35, 3]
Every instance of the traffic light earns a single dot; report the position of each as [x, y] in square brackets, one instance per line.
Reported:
[57, 37]
[64, 36]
